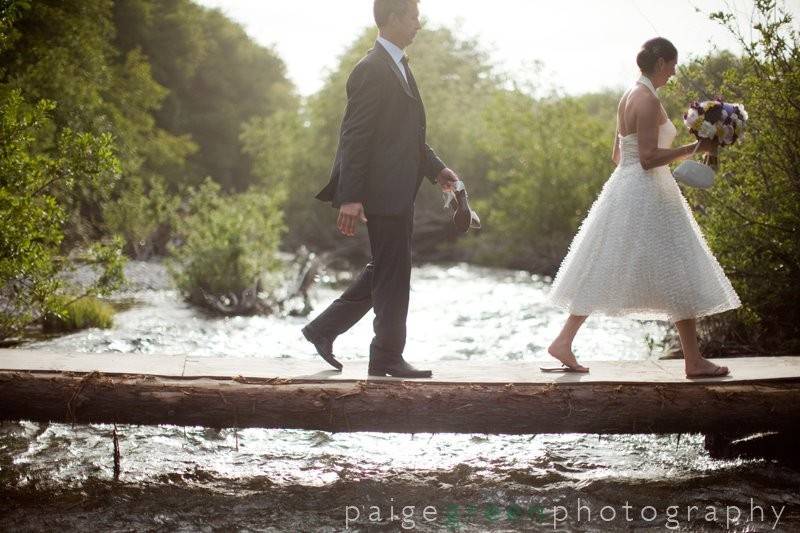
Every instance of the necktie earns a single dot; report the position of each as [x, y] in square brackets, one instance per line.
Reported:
[412, 83]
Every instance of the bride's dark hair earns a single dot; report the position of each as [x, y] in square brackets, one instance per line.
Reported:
[652, 51]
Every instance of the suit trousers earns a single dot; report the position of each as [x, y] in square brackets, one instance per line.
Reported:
[383, 284]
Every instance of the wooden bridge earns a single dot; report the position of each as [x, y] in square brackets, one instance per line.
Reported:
[652, 396]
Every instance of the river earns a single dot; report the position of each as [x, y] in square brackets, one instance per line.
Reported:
[59, 477]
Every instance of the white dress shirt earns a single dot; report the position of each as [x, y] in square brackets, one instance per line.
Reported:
[396, 53]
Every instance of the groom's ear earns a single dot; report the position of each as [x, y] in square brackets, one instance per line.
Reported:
[393, 18]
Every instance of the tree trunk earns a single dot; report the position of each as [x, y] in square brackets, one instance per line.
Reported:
[402, 406]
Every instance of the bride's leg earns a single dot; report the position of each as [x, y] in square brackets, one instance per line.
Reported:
[561, 348]
[696, 365]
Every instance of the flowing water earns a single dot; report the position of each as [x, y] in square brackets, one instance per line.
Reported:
[58, 477]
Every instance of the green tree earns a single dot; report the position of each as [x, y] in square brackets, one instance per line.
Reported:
[32, 252]
[549, 159]
[63, 51]
[143, 214]
[217, 77]
[751, 217]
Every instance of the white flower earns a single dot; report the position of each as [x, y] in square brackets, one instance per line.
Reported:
[691, 117]
[727, 134]
[706, 130]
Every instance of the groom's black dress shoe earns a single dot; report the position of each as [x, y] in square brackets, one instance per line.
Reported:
[396, 367]
[464, 217]
[324, 347]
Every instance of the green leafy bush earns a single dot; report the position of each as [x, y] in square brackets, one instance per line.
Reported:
[226, 244]
[143, 215]
[751, 217]
[548, 160]
[33, 216]
[78, 314]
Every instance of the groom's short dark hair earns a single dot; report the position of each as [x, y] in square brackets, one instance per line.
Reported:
[384, 8]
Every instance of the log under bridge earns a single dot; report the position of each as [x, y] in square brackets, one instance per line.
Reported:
[762, 394]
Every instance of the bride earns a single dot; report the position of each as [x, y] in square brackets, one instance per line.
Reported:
[639, 252]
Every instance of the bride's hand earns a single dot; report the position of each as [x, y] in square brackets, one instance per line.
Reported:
[708, 146]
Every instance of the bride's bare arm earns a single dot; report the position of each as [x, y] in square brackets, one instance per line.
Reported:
[648, 117]
[615, 148]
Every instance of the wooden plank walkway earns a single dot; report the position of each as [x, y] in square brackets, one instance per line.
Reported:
[650, 396]
[744, 369]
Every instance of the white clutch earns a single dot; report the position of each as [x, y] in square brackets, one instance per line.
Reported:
[695, 174]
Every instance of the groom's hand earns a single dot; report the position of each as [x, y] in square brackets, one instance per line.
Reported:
[446, 179]
[349, 215]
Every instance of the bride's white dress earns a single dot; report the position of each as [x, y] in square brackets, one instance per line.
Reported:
[639, 252]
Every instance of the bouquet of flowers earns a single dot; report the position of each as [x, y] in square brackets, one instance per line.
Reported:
[712, 119]
[716, 119]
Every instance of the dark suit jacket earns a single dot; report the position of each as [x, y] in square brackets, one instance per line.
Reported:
[382, 155]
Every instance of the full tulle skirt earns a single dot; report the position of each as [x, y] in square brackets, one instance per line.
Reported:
[640, 253]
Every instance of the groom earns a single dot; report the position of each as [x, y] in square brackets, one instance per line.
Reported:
[381, 160]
